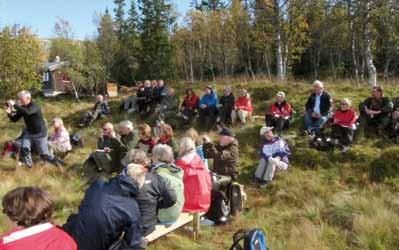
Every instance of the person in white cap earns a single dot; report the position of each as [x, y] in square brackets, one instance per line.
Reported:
[274, 154]
[318, 109]
[279, 113]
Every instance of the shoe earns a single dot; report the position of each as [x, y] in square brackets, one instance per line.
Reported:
[344, 149]
[57, 162]
[263, 184]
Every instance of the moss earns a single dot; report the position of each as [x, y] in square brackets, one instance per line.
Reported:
[310, 158]
[387, 165]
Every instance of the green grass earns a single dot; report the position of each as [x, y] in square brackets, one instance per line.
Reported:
[324, 201]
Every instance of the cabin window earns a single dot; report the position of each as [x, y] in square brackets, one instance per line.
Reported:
[46, 76]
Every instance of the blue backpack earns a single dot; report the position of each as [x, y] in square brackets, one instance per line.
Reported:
[254, 239]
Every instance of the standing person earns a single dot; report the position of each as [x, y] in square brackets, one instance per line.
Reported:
[279, 114]
[34, 136]
[318, 108]
[197, 179]
[59, 141]
[375, 111]
[274, 154]
[107, 158]
[243, 108]
[146, 142]
[100, 109]
[189, 107]
[343, 126]
[226, 107]
[162, 164]
[30, 209]
[224, 154]
[208, 108]
[109, 212]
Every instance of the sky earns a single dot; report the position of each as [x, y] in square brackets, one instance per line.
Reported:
[41, 15]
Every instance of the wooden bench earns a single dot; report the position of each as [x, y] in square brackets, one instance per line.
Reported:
[185, 218]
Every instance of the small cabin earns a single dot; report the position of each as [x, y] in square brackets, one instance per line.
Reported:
[55, 78]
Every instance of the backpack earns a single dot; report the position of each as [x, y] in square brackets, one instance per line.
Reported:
[219, 211]
[322, 143]
[254, 239]
[237, 198]
[76, 140]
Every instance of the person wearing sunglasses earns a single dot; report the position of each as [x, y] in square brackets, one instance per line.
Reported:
[344, 124]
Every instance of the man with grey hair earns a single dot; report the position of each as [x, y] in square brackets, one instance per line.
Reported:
[162, 160]
[318, 109]
[34, 136]
[100, 109]
[127, 135]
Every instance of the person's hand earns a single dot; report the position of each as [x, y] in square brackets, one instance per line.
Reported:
[276, 115]
[8, 106]
[107, 150]
[203, 106]
[220, 105]
[206, 139]
[315, 115]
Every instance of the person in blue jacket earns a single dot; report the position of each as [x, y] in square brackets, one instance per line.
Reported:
[108, 211]
[208, 107]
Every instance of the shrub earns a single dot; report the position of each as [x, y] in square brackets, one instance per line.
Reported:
[386, 165]
[310, 158]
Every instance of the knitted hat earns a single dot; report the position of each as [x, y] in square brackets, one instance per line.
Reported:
[226, 132]
[265, 129]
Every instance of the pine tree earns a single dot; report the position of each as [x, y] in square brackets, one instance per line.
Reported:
[120, 23]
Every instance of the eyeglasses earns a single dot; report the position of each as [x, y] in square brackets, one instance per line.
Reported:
[344, 104]
[106, 129]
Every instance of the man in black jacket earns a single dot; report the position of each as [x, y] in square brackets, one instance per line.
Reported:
[34, 135]
[108, 211]
[226, 106]
[318, 108]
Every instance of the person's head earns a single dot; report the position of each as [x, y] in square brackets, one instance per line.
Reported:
[345, 104]
[267, 132]
[166, 130]
[136, 156]
[280, 97]
[147, 83]
[27, 206]
[208, 90]
[125, 127]
[24, 97]
[171, 92]
[100, 98]
[377, 92]
[226, 136]
[57, 123]
[161, 83]
[318, 87]
[227, 91]
[162, 153]
[192, 133]
[145, 131]
[243, 93]
[137, 173]
[186, 145]
[190, 92]
[108, 130]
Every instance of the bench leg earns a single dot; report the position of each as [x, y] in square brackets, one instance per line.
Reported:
[196, 225]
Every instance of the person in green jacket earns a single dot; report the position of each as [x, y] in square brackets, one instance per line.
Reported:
[127, 135]
[108, 155]
[162, 164]
[375, 111]
[169, 107]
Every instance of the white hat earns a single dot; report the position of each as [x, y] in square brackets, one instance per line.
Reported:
[281, 94]
[265, 129]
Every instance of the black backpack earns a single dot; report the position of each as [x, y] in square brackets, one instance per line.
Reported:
[76, 140]
[219, 212]
[236, 198]
[322, 143]
[254, 239]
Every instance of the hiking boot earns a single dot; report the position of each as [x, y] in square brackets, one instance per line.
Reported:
[57, 162]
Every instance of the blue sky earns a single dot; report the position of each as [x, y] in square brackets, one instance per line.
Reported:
[41, 15]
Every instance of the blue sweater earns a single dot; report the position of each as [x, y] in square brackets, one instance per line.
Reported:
[210, 100]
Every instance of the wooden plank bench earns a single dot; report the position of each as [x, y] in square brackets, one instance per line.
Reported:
[185, 218]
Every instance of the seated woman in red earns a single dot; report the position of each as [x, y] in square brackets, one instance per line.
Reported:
[197, 179]
[30, 209]
[344, 125]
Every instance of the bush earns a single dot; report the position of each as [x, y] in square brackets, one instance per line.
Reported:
[386, 165]
[310, 158]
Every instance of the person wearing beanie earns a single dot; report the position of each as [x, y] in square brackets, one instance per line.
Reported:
[375, 111]
[226, 106]
[343, 126]
[274, 155]
[318, 109]
[208, 107]
[224, 154]
[279, 114]
[243, 108]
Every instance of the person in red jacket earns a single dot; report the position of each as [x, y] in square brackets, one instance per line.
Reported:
[189, 107]
[344, 124]
[242, 108]
[279, 113]
[30, 209]
[197, 179]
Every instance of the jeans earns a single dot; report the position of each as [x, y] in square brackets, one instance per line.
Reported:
[313, 124]
[39, 143]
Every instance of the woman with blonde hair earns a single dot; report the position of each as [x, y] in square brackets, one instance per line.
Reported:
[167, 137]
[146, 142]
[59, 141]
[193, 134]
[242, 108]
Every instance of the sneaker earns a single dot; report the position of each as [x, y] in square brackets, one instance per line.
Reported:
[263, 184]
[344, 149]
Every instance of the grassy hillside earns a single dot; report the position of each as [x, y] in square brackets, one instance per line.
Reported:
[324, 201]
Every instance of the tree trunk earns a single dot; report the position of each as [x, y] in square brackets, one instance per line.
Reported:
[269, 74]
[279, 43]
[372, 72]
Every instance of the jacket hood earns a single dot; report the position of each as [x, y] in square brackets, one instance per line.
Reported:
[126, 185]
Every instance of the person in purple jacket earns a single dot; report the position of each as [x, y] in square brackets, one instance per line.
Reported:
[274, 155]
